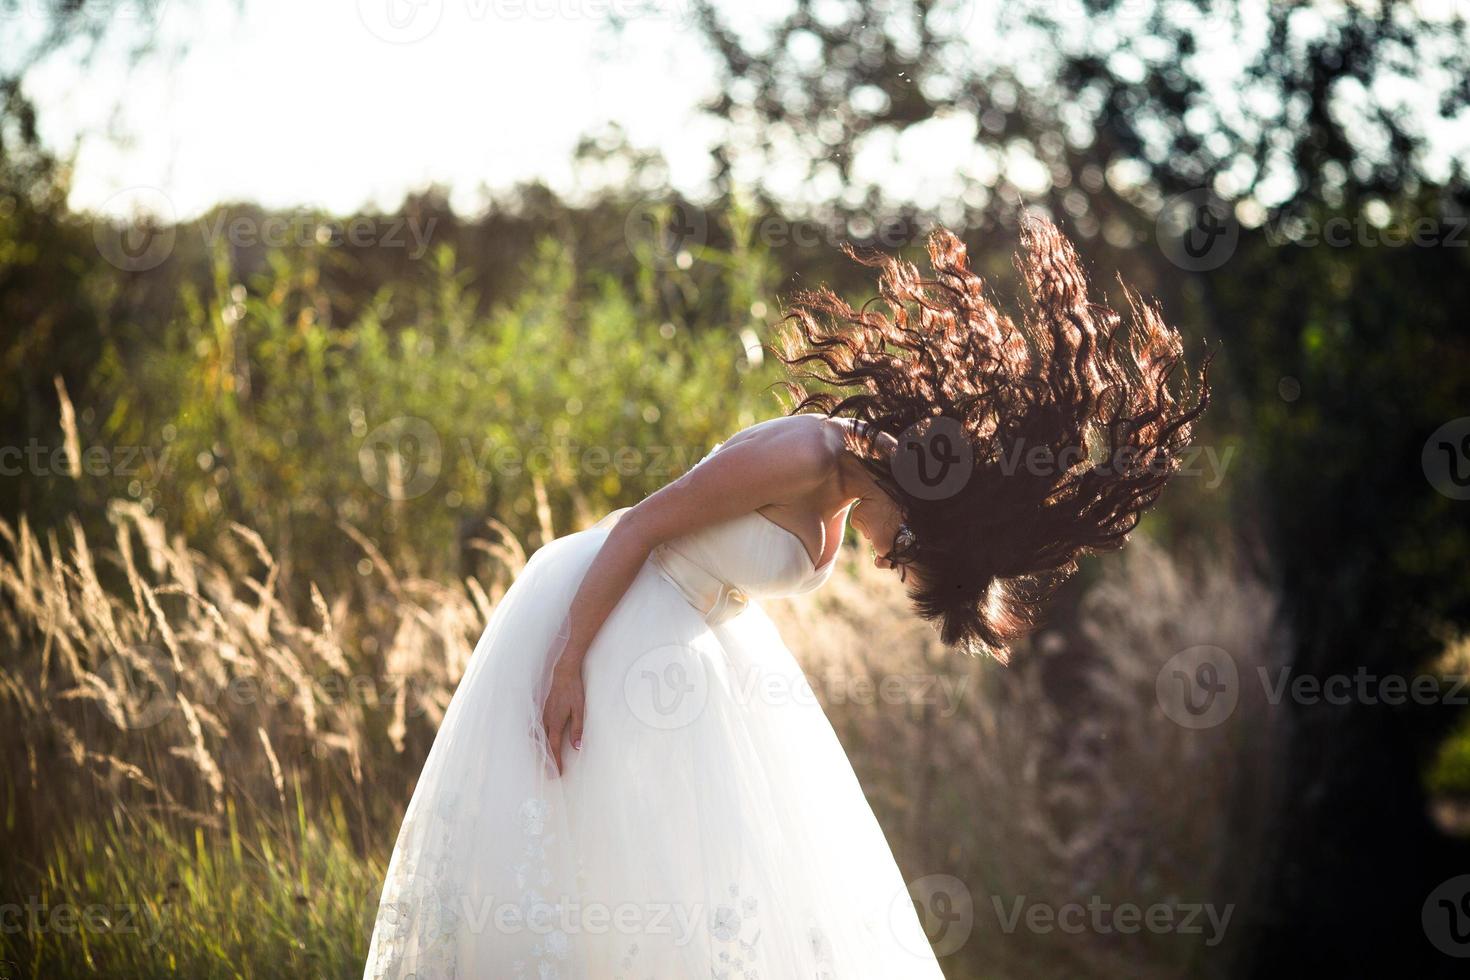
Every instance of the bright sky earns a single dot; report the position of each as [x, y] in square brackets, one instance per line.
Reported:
[338, 104]
[341, 104]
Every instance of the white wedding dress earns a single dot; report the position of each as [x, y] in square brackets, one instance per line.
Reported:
[710, 825]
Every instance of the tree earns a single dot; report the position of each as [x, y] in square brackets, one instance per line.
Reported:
[1320, 106]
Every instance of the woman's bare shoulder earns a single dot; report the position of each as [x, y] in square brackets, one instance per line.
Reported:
[814, 439]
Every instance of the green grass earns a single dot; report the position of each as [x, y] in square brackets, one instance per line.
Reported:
[142, 898]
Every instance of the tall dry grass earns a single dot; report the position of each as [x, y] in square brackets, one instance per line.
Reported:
[164, 706]
[1060, 778]
[176, 682]
[224, 764]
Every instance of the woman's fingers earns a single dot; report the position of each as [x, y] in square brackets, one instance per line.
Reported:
[555, 721]
[562, 716]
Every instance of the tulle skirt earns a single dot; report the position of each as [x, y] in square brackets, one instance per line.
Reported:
[710, 826]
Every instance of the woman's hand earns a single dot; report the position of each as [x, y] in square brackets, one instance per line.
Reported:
[564, 706]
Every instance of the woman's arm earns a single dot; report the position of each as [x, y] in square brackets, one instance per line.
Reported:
[776, 467]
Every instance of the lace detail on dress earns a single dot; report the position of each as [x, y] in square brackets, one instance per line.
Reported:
[418, 915]
[822, 953]
[736, 931]
[538, 914]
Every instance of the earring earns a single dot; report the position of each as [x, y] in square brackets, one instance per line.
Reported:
[905, 539]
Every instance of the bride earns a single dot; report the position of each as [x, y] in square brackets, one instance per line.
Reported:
[620, 790]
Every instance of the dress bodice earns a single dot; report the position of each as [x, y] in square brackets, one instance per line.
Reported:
[722, 567]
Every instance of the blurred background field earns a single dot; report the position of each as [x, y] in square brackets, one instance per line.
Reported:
[266, 470]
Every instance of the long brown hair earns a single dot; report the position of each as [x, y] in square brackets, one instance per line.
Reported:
[1071, 425]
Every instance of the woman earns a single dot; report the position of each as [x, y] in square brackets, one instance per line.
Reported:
[629, 783]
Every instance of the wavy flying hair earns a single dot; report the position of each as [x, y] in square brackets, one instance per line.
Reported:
[1073, 421]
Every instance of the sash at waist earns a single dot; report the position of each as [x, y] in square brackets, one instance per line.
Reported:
[717, 601]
